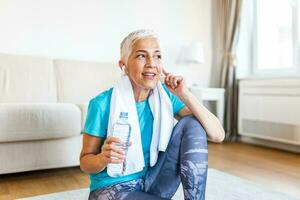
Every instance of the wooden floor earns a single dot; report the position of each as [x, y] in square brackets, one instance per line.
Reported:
[277, 169]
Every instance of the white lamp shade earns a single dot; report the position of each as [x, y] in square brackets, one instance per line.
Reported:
[192, 53]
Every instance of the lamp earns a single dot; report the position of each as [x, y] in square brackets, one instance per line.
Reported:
[192, 53]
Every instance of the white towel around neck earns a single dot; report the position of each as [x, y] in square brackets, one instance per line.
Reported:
[122, 100]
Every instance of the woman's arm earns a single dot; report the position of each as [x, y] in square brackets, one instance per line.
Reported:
[210, 122]
[93, 160]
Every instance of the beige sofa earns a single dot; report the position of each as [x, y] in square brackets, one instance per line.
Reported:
[43, 104]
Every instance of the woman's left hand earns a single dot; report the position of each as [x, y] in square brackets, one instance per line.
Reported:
[175, 84]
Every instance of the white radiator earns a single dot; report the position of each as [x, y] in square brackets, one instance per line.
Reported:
[270, 109]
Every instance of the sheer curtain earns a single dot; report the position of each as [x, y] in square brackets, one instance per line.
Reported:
[228, 17]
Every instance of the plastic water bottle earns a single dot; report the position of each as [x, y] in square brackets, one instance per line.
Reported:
[121, 129]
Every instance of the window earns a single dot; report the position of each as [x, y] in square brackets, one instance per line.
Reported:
[276, 41]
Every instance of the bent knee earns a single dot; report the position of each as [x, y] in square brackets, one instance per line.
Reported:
[192, 126]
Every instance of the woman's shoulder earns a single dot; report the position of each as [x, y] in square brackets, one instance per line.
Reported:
[103, 99]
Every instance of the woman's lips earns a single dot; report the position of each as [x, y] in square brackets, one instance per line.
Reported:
[149, 75]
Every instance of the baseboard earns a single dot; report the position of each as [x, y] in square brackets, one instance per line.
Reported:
[272, 144]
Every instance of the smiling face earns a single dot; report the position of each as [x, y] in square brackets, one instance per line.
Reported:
[144, 64]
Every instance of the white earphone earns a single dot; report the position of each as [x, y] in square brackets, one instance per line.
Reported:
[124, 70]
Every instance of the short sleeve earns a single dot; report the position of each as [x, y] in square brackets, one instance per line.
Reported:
[95, 120]
[176, 102]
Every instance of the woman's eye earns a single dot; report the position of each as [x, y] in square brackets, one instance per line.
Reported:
[140, 56]
[158, 56]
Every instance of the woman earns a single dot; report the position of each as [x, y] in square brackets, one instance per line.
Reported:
[185, 158]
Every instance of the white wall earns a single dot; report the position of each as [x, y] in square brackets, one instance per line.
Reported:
[93, 29]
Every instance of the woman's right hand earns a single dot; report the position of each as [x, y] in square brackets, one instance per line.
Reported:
[111, 151]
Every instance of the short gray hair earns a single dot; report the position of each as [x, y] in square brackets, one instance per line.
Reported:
[131, 38]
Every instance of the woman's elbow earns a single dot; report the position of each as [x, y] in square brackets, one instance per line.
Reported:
[221, 136]
[218, 137]
[82, 166]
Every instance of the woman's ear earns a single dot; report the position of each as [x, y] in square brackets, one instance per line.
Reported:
[122, 65]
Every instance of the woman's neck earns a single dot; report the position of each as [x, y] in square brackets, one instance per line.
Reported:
[140, 95]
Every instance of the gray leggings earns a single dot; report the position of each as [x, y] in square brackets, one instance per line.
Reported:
[185, 161]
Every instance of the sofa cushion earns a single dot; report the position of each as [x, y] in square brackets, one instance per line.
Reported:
[26, 79]
[79, 81]
[21, 122]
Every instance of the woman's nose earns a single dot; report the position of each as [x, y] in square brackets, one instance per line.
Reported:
[150, 62]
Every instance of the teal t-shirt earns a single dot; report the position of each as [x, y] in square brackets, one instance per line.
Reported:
[96, 125]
